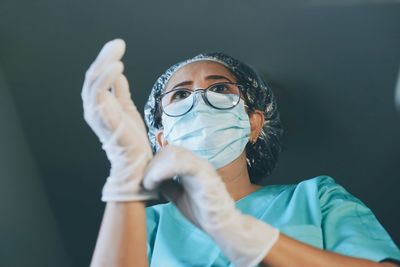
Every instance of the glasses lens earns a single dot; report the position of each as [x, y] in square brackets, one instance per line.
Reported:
[177, 102]
[223, 95]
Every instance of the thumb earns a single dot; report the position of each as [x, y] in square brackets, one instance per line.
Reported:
[154, 175]
[162, 167]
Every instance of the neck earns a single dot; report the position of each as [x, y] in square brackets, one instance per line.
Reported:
[237, 179]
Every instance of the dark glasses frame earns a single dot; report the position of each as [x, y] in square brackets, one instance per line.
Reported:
[203, 92]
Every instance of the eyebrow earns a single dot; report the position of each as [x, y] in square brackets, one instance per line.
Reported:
[209, 77]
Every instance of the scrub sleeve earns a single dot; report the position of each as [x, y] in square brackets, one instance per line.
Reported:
[350, 228]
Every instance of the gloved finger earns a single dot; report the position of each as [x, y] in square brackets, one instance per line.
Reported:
[121, 87]
[89, 90]
[111, 51]
[110, 111]
[104, 101]
[94, 102]
[157, 171]
[123, 96]
[122, 92]
[169, 162]
[104, 82]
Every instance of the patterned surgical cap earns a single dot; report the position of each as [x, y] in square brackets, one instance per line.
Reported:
[263, 154]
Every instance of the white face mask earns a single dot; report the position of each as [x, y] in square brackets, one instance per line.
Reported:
[219, 136]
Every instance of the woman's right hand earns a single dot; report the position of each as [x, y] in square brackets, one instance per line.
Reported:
[203, 199]
[112, 115]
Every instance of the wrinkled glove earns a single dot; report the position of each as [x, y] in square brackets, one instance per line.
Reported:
[204, 200]
[112, 115]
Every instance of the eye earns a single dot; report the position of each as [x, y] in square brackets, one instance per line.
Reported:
[221, 88]
[179, 94]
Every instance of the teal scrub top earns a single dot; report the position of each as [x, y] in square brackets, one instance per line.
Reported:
[317, 211]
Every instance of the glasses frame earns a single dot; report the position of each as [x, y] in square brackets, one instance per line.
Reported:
[203, 92]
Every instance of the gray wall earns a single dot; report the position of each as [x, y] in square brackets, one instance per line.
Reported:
[29, 235]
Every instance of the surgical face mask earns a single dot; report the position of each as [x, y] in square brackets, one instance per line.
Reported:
[219, 136]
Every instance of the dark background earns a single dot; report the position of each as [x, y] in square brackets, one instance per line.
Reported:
[333, 66]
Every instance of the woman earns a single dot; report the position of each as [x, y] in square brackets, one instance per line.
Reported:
[218, 128]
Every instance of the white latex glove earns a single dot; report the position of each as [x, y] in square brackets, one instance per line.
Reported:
[204, 200]
[112, 115]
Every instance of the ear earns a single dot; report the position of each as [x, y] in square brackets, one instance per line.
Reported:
[257, 119]
[160, 138]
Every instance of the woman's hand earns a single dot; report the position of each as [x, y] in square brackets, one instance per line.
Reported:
[204, 200]
[112, 115]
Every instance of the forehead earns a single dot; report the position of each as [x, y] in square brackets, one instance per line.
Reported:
[199, 70]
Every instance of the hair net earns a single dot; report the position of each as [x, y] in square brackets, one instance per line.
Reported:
[263, 154]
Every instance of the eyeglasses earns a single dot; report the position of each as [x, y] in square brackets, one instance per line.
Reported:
[180, 101]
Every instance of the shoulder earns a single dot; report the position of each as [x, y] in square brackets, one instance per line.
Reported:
[318, 182]
[321, 189]
[323, 185]
[329, 192]
[319, 185]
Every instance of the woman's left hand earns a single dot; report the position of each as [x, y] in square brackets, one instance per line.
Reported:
[113, 117]
[204, 200]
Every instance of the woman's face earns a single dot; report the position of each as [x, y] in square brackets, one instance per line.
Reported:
[202, 74]
[199, 74]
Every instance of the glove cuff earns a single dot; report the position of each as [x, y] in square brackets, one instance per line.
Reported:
[125, 191]
[245, 241]
[124, 182]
